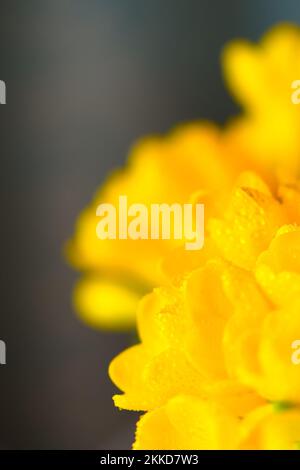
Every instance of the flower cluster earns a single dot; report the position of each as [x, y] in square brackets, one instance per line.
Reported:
[117, 273]
[213, 368]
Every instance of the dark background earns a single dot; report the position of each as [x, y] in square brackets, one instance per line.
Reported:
[84, 80]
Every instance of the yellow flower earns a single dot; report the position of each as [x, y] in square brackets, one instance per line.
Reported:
[218, 340]
[213, 369]
[260, 77]
[160, 170]
[194, 158]
[255, 238]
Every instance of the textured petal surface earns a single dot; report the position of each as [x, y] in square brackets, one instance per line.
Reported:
[186, 422]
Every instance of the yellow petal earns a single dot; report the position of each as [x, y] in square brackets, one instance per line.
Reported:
[260, 77]
[245, 72]
[208, 309]
[261, 357]
[278, 268]
[280, 380]
[103, 303]
[268, 429]
[160, 319]
[290, 195]
[249, 224]
[150, 381]
[184, 423]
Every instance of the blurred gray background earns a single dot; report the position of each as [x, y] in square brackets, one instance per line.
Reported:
[84, 80]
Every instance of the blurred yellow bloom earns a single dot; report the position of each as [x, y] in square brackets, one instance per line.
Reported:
[195, 158]
[213, 368]
[160, 170]
[260, 77]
